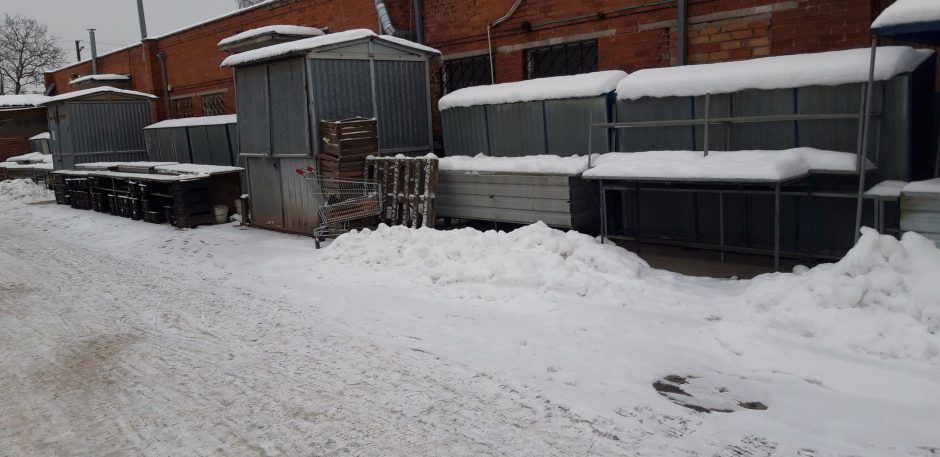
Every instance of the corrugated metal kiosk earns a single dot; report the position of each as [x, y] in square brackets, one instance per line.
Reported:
[210, 140]
[103, 124]
[546, 116]
[284, 91]
[818, 213]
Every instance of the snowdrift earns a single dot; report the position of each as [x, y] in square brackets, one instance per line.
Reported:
[23, 189]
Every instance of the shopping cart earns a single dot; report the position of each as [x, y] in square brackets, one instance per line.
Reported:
[341, 201]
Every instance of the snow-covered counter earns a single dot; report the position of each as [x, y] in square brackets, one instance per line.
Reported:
[519, 190]
[920, 208]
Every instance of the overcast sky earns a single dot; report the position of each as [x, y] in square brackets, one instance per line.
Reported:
[116, 20]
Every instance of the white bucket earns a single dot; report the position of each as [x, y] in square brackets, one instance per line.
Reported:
[221, 213]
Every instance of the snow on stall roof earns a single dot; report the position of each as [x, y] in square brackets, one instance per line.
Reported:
[100, 77]
[195, 121]
[553, 88]
[308, 44]
[96, 90]
[744, 166]
[41, 136]
[22, 100]
[106, 165]
[779, 72]
[197, 169]
[541, 164]
[930, 186]
[30, 166]
[295, 30]
[903, 12]
[33, 157]
[886, 189]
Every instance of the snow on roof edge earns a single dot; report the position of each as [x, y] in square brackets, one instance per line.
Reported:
[95, 90]
[553, 88]
[194, 122]
[22, 100]
[767, 73]
[279, 29]
[41, 136]
[907, 12]
[100, 77]
[308, 44]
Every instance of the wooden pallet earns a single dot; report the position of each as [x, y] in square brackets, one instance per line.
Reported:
[409, 187]
[346, 145]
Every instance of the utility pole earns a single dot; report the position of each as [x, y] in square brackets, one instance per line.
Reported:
[78, 50]
[143, 20]
[94, 52]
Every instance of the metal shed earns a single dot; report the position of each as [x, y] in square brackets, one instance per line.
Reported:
[102, 124]
[539, 116]
[210, 140]
[284, 91]
[40, 143]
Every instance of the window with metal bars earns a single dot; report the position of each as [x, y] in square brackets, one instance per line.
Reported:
[561, 59]
[466, 72]
[181, 107]
[213, 104]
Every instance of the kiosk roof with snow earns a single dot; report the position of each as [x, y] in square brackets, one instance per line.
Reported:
[915, 21]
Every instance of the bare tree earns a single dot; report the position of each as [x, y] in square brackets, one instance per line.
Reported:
[26, 50]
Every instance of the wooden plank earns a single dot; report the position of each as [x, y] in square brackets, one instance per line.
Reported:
[512, 179]
[920, 221]
[920, 203]
[504, 190]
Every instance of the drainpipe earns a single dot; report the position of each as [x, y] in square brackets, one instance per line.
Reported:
[419, 21]
[161, 56]
[385, 22]
[489, 39]
[682, 31]
[94, 52]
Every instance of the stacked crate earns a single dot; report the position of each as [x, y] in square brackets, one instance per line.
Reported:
[346, 144]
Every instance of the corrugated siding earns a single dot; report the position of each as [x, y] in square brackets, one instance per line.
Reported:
[126, 156]
[167, 145]
[567, 124]
[402, 99]
[341, 88]
[300, 211]
[516, 129]
[264, 184]
[465, 131]
[659, 138]
[254, 134]
[108, 126]
[921, 213]
[289, 133]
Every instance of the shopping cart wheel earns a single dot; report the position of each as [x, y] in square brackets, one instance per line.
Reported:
[316, 241]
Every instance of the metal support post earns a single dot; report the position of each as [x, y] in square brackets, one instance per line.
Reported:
[707, 117]
[721, 223]
[862, 162]
[603, 191]
[777, 227]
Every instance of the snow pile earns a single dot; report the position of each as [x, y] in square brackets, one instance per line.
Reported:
[196, 169]
[930, 186]
[542, 164]
[22, 100]
[195, 122]
[535, 257]
[293, 30]
[781, 72]
[882, 298]
[886, 189]
[553, 88]
[42, 136]
[720, 165]
[903, 12]
[101, 77]
[309, 44]
[23, 189]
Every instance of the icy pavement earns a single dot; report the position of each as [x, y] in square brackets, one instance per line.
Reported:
[125, 338]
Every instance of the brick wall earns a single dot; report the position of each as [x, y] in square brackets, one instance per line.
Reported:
[11, 147]
[631, 34]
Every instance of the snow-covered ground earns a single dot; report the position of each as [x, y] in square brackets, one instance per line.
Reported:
[121, 337]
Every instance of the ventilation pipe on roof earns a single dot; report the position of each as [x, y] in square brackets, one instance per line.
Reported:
[143, 19]
[681, 31]
[94, 52]
[419, 21]
[161, 56]
[385, 21]
[489, 39]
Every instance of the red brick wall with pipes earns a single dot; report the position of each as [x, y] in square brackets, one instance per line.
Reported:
[631, 34]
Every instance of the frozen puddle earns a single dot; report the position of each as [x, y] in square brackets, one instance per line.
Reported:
[711, 394]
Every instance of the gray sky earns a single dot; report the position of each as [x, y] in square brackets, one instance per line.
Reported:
[116, 20]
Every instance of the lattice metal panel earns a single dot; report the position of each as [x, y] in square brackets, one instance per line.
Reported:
[562, 59]
[213, 104]
[181, 107]
[466, 72]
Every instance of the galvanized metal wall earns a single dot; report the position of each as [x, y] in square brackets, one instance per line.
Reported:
[401, 89]
[920, 212]
[264, 187]
[108, 126]
[340, 89]
[567, 126]
[209, 144]
[465, 131]
[168, 145]
[288, 108]
[516, 129]
[254, 134]
[658, 138]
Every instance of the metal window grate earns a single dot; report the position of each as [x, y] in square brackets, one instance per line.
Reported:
[213, 104]
[466, 72]
[181, 107]
[561, 60]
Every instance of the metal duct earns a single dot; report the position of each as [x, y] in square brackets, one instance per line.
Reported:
[384, 20]
[161, 56]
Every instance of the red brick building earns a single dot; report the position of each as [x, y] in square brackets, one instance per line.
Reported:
[541, 38]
